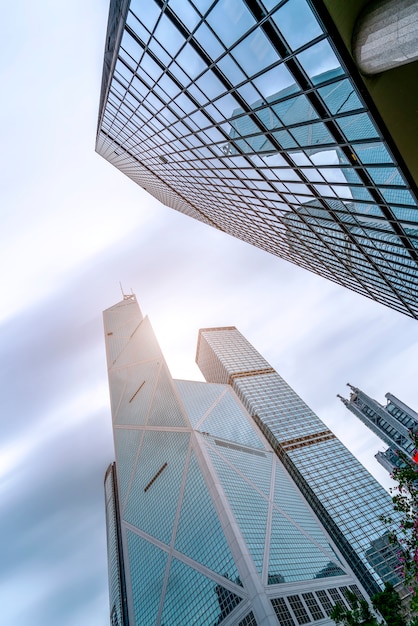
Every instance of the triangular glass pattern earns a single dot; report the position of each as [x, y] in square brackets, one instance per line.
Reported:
[228, 420]
[249, 508]
[288, 499]
[142, 346]
[155, 489]
[200, 536]
[120, 326]
[147, 565]
[198, 397]
[117, 382]
[253, 463]
[126, 447]
[192, 598]
[165, 409]
[122, 319]
[293, 557]
[137, 394]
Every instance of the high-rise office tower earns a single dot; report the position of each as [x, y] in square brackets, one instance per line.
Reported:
[251, 116]
[346, 498]
[204, 524]
[392, 423]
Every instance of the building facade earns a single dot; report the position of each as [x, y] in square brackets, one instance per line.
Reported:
[251, 117]
[393, 423]
[345, 497]
[205, 525]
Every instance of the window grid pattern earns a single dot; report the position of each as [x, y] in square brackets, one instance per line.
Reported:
[352, 498]
[284, 616]
[309, 607]
[147, 565]
[294, 557]
[299, 170]
[249, 508]
[191, 598]
[158, 447]
[299, 610]
[324, 601]
[200, 518]
[165, 410]
[197, 398]
[220, 422]
[337, 598]
[134, 404]
[249, 620]
[313, 606]
[126, 447]
[201, 536]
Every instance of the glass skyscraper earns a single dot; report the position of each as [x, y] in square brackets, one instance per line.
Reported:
[250, 116]
[345, 497]
[205, 525]
[393, 423]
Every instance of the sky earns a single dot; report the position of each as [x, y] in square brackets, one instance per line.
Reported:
[72, 229]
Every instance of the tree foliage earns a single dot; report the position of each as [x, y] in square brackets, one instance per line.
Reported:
[389, 605]
[360, 613]
[405, 535]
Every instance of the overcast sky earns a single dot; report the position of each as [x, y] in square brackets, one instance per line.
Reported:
[72, 227]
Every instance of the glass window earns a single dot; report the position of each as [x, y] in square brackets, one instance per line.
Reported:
[137, 27]
[210, 44]
[150, 16]
[320, 62]
[159, 52]
[340, 97]
[311, 135]
[210, 85]
[273, 82]
[190, 61]
[131, 46]
[255, 53]
[373, 153]
[249, 93]
[357, 127]
[385, 175]
[150, 67]
[168, 85]
[167, 34]
[231, 70]
[297, 23]
[185, 12]
[230, 19]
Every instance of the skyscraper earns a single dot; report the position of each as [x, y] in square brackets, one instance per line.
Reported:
[252, 117]
[204, 524]
[392, 423]
[345, 497]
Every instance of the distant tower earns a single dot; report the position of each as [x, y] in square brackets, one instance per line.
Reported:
[205, 526]
[392, 423]
[345, 497]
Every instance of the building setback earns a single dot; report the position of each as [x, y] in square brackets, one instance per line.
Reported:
[345, 497]
[205, 525]
[252, 117]
[393, 423]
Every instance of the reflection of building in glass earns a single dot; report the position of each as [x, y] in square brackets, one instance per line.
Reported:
[244, 116]
[392, 423]
[205, 525]
[345, 497]
[384, 558]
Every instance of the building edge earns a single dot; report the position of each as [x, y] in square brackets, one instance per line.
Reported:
[118, 604]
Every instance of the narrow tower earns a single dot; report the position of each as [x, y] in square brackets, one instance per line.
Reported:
[205, 525]
[393, 423]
